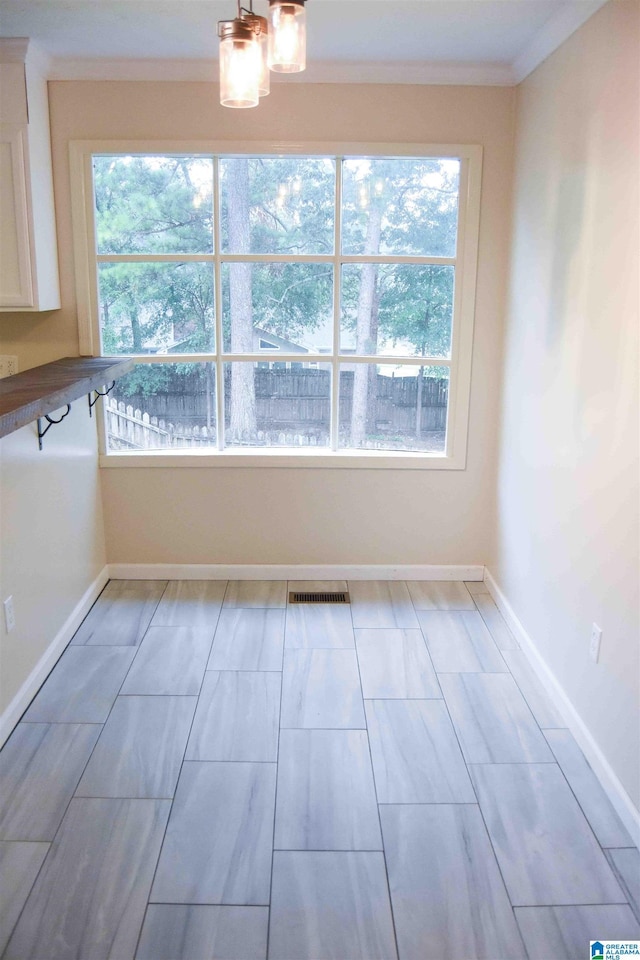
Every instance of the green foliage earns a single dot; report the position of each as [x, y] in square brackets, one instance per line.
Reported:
[145, 380]
[155, 205]
[419, 205]
[291, 201]
[164, 205]
[291, 212]
[151, 205]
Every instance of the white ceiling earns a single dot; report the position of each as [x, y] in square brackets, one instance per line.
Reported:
[468, 41]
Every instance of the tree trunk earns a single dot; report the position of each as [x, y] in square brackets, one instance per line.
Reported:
[364, 340]
[419, 390]
[243, 398]
[372, 411]
[136, 333]
[423, 349]
[209, 388]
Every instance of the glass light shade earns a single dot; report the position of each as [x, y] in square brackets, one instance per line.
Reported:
[239, 69]
[287, 36]
[265, 76]
[261, 29]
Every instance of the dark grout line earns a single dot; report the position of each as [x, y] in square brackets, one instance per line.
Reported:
[533, 906]
[59, 723]
[429, 803]
[335, 729]
[93, 796]
[200, 903]
[91, 646]
[477, 673]
[172, 800]
[375, 790]
[193, 696]
[328, 849]
[482, 817]
[387, 629]
[177, 782]
[400, 699]
[308, 647]
[622, 883]
[509, 763]
[275, 797]
[271, 763]
[254, 606]
[49, 844]
[227, 670]
[233, 670]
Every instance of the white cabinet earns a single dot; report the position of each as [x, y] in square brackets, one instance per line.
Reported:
[28, 249]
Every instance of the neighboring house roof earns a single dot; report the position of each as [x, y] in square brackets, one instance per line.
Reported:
[279, 343]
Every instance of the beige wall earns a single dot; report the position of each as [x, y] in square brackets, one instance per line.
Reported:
[52, 527]
[51, 536]
[564, 550]
[567, 547]
[289, 516]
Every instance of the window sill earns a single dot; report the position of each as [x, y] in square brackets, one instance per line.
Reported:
[275, 459]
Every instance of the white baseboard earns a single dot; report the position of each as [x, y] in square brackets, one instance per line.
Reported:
[48, 660]
[292, 571]
[612, 786]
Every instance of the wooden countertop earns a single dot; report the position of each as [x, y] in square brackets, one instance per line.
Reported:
[34, 393]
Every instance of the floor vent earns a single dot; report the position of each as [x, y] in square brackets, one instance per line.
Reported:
[338, 597]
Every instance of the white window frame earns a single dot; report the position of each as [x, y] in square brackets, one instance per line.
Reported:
[81, 153]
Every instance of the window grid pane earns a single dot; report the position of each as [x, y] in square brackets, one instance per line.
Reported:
[400, 205]
[393, 407]
[281, 307]
[156, 308]
[298, 317]
[279, 205]
[163, 406]
[153, 204]
[275, 404]
[398, 310]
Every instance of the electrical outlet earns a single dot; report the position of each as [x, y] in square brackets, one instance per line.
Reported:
[594, 646]
[8, 366]
[9, 614]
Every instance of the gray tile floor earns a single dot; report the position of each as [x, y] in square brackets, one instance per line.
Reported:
[211, 774]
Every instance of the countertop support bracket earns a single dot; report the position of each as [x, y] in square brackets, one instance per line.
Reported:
[98, 394]
[50, 421]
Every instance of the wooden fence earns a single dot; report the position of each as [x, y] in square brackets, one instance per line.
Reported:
[131, 429]
[292, 410]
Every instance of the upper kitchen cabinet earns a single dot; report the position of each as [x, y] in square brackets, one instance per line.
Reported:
[28, 249]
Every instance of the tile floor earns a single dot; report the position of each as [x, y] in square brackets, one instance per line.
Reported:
[212, 774]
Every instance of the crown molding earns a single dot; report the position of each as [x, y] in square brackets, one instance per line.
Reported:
[451, 73]
[13, 49]
[552, 34]
[24, 50]
[466, 74]
[67, 68]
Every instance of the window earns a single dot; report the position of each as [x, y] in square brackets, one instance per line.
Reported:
[301, 302]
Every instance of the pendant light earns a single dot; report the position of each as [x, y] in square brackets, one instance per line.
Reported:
[287, 36]
[251, 45]
[239, 64]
